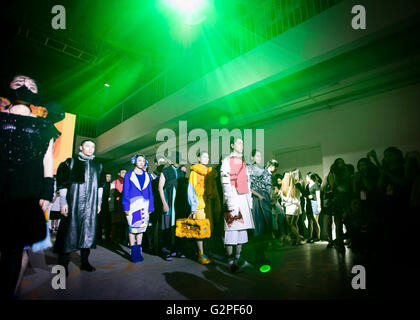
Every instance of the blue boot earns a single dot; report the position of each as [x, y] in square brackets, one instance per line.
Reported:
[134, 253]
[139, 256]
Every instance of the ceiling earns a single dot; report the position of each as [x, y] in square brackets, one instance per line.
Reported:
[124, 43]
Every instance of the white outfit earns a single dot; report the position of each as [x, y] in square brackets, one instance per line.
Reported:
[291, 205]
[236, 233]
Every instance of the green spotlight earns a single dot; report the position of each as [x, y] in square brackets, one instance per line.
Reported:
[223, 120]
[265, 268]
[191, 12]
[187, 6]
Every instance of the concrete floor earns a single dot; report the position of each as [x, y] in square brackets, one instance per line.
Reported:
[308, 271]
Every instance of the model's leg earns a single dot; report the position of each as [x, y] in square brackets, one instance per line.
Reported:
[139, 238]
[328, 229]
[84, 253]
[339, 234]
[25, 260]
[64, 259]
[10, 265]
[310, 226]
[131, 239]
[316, 226]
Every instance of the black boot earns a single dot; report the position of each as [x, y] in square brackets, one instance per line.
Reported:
[63, 260]
[86, 266]
[11, 261]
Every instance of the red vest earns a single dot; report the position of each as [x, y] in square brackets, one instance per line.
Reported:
[238, 176]
[119, 183]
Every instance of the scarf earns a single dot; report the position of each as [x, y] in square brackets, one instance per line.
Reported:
[83, 157]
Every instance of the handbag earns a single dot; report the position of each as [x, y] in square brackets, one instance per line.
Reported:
[193, 228]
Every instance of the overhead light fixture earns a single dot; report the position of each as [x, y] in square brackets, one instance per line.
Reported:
[191, 12]
[106, 85]
[187, 6]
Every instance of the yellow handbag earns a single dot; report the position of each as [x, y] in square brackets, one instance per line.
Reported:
[193, 228]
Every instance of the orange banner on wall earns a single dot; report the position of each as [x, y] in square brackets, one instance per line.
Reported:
[63, 146]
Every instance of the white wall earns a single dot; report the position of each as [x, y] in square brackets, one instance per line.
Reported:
[351, 130]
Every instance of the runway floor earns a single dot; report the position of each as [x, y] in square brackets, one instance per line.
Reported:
[309, 271]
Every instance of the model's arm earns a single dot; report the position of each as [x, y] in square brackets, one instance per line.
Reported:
[162, 181]
[318, 199]
[48, 161]
[48, 181]
[125, 193]
[150, 194]
[225, 179]
[192, 195]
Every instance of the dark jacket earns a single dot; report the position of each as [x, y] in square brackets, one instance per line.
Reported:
[82, 179]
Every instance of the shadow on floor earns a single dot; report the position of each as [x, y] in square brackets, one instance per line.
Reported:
[192, 286]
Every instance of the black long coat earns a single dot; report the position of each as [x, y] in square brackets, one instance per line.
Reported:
[82, 180]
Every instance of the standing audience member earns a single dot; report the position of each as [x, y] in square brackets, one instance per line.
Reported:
[168, 184]
[279, 217]
[261, 210]
[152, 232]
[290, 196]
[300, 185]
[104, 218]
[314, 207]
[118, 221]
[328, 207]
[342, 195]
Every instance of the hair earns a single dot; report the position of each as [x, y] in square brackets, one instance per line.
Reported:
[297, 173]
[273, 163]
[87, 140]
[289, 181]
[121, 169]
[395, 150]
[318, 178]
[360, 162]
[350, 168]
[334, 167]
[233, 140]
[275, 178]
[146, 163]
[338, 159]
[327, 181]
